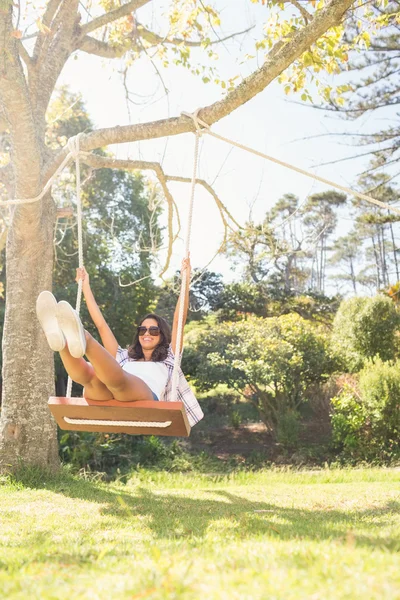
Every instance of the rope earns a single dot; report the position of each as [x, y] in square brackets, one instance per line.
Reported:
[73, 146]
[184, 283]
[70, 156]
[206, 129]
[160, 425]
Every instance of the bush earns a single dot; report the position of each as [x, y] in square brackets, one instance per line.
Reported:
[363, 329]
[271, 361]
[366, 421]
[288, 429]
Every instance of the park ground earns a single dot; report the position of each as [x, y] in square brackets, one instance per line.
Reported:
[279, 534]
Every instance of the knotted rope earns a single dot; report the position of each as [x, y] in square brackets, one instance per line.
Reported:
[73, 146]
[184, 282]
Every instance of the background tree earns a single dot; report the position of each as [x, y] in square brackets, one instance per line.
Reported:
[346, 252]
[320, 219]
[374, 83]
[204, 297]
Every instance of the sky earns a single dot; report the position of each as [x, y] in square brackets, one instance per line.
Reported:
[272, 123]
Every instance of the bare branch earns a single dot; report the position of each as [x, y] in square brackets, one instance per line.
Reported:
[223, 210]
[100, 162]
[113, 15]
[154, 39]
[306, 15]
[94, 46]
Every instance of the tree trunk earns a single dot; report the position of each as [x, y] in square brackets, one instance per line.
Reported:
[394, 252]
[28, 431]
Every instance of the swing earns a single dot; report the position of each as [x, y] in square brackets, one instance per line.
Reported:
[111, 416]
[136, 418]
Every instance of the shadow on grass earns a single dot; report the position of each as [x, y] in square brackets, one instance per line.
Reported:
[173, 516]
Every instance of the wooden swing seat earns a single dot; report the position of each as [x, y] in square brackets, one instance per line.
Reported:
[111, 416]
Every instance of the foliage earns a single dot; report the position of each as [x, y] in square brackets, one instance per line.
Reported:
[205, 293]
[115, 455]
[364, 328]
[271, 361]
[288, 429]
[366, 418]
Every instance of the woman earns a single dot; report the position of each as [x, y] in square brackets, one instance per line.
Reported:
[142, 372]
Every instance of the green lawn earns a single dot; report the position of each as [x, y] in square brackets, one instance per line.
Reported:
[269, 535]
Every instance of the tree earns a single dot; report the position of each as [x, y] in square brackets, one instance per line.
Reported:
[378, 230]
[27, 81]
[205, 293]
[346, 251]
[320, 218]
[374, 83]
[272, 251]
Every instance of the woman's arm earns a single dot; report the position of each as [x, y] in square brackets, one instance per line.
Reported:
[185, 267]
[107, 336]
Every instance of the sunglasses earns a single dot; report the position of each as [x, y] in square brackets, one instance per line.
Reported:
[154, 330]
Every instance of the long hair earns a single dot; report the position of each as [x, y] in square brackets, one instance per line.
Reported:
[160, 352]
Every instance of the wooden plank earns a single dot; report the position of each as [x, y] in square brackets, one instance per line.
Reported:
[113, 410]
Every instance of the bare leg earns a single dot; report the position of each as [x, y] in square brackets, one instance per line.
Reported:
[124, 386]
[81, 372]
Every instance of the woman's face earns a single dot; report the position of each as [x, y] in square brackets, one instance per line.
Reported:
[149, 341]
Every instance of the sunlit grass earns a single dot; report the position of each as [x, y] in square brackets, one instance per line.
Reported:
[278, 535]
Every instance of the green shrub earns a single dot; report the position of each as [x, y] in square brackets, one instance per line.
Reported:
[236, 419]
[363, 329]
[272, 361]
[366, 421]
[288, 429]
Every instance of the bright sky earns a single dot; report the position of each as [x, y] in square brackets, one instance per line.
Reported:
[271, 123]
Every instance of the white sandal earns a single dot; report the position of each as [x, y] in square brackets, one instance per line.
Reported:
[46, 310]
[70, 323]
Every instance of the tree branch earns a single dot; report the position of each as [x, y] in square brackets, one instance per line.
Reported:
[275, 63]
[53, 56]
[24, 54]
[101, 162]
[306, 15]
[154, 39]
[112, 15]
[18, 117]
[93, 46]
[99, 48]
[47, 19]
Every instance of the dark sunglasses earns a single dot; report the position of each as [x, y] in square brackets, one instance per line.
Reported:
[153, 330]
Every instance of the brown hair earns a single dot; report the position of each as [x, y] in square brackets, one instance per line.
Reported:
[160, 352]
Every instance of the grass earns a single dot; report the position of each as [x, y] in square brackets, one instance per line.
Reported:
[317, 535]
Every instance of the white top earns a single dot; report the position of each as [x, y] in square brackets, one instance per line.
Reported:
[154, 374]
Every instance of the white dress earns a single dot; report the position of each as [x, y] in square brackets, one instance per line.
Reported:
[154, 374]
